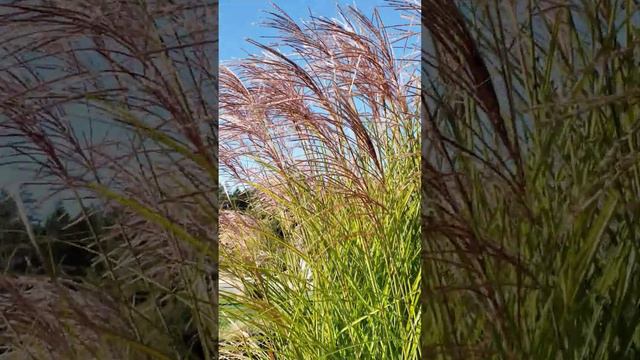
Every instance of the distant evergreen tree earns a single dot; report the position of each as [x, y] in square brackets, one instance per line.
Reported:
[65, 241]
[69, 240]
[239, 199]
[8, 210]
[30, 206]
[57, 220]
[16, 252]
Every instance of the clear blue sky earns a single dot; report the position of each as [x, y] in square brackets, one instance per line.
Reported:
[241, 19]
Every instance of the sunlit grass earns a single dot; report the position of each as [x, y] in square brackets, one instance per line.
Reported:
[330, 149]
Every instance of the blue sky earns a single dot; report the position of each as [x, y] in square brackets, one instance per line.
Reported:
[241, 19]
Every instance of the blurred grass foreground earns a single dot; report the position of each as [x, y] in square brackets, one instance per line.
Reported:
[113, 107]
[531, 180]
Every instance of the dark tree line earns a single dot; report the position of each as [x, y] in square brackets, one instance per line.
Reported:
[238, 199]
[62, 242]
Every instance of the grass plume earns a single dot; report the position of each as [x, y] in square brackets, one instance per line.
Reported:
[323, 127]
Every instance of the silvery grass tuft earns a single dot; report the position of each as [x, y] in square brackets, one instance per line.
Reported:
[322, 128]
[531, 180]
[114, 103]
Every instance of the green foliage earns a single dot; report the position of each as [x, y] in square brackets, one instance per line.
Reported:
[239, 199]
[15, 253]
[66, 241]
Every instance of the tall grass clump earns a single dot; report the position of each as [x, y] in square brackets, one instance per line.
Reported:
[322, 129]
[111, 105]
[531, 180]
